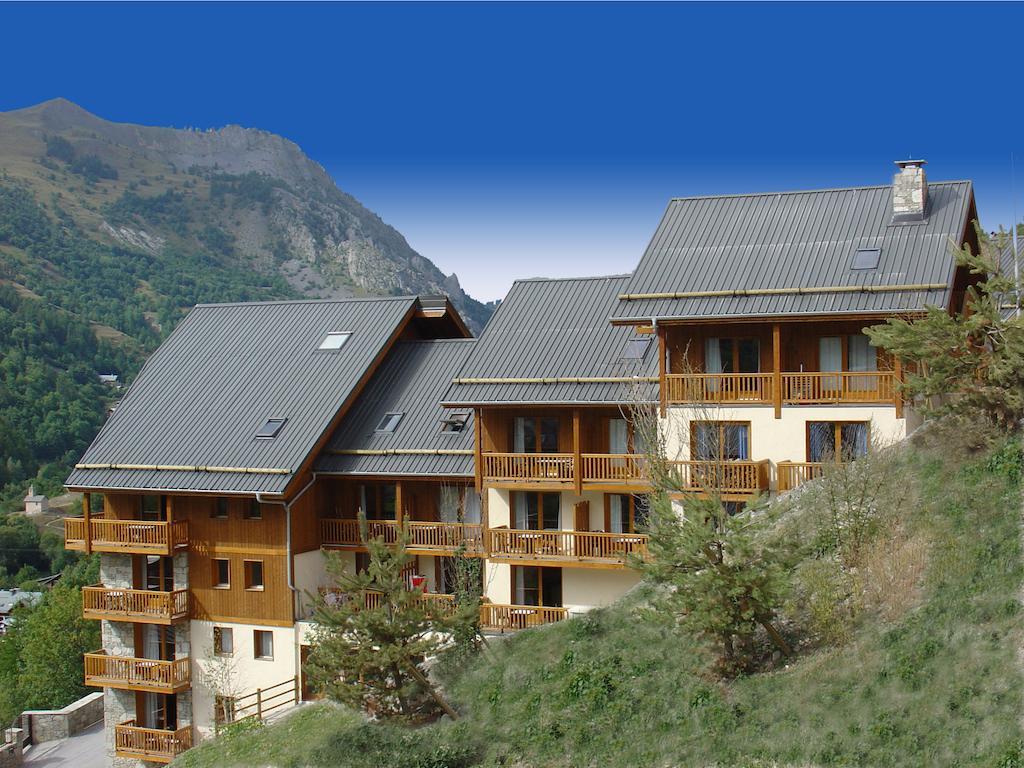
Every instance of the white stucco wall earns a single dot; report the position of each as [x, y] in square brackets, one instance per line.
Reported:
[246, 673]
[586, 588]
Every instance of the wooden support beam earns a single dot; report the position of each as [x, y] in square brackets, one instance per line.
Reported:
[898, 393]
[87, 514]
[399, 512]
[576, 452]
[478, 460]
[777, 363]
[662, 378]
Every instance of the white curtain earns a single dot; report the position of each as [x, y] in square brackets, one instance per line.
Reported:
[616, 513]
[449, 504]
[741, 441]
[471, 507]
[151, 706]
[519, 502]
[863, 357]
[712, 356]
[618, 436]
[830, 358]
[150, 642]
[519, 445]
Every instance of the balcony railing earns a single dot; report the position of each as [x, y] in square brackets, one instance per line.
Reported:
[729, 476]
[140, 605]
[720, 387]
[614, 468]
[797, 388]
[142, 537]
[565, 546]
[793, 474]
[424, 536]
[105, 671]
[839, 387]
[512, 617]
[151, 744]
[530, 468]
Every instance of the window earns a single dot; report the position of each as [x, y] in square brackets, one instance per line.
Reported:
[379, 502]
[254, 574]
[389, 422]
[866, 258]
[334, 341]
[262, 644]
[720, 440]
[270, 429]
[636, 348]
[454, 423]
[153, 508]
[220, 509]
[223, 641]
[836, 440]
[733, 508]
[254, 511]
[224, 709]
[732, 355]
[533, 434]
[221, 573]
[534, 585]
[625, 513]
[537, 511]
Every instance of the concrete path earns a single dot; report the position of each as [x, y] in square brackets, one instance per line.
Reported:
[85, 750]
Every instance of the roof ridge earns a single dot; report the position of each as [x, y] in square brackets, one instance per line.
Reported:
[570, 279]
[271, 302]
[436, 341]
[808, 191]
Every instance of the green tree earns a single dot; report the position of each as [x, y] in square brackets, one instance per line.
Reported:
[370, 646]
[970, 362]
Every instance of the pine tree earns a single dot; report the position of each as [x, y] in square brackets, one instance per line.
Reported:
[370, 646]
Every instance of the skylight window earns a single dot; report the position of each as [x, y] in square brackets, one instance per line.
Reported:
[636, 348]
[454, 423]
[334, 340]
[389, 422]
[866, 258]
[270, 429]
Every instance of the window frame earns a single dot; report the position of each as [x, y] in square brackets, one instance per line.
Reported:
[219, 633]
[217, 583]
[253, 510]
[221, 503]
[249, 567]
[264, 434]
[735, 357]
[721, 437]
[345, 336]
[385, 425]
[256, 634]
[631, 510]
[837, 427]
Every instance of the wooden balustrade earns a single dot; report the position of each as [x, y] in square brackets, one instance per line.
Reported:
[793, 474]
[436, 603]
[624, 468]
[152, 744]
[512, 617]
[575, 546]
[539, 468]
[105, 671]
[424, 536]
[141, 605]
[839, 387]
[720, 387]
[258, 704]
[732, 476]
[144, 537]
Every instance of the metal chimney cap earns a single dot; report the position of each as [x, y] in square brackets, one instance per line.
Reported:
[910, 163]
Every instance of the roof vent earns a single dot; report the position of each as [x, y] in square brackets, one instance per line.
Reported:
[909, 191]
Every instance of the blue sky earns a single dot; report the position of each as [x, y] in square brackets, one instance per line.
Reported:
[513, 141]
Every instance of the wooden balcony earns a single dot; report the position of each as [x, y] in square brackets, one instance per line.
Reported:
[137, 605]
[793, 474]
[502, 617]
[723, 477]
[105, 671]
[435, 603]
[539, 470]
[141, 537]
[579, 548]
[425, 538]
[150, 744]
[814, 388]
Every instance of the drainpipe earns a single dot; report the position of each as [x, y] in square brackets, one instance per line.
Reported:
[288, 531]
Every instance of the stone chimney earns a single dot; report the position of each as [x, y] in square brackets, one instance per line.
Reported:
[909, 191]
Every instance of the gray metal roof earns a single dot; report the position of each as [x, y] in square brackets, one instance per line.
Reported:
[411, 381]
[796, 239]
[225, 370]
[555, 329]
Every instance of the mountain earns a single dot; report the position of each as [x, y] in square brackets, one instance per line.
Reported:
[110, 232]
[240, 196]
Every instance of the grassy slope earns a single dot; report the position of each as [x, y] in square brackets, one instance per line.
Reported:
[940, 686]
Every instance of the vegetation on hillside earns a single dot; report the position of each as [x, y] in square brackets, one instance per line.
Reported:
[916, 665]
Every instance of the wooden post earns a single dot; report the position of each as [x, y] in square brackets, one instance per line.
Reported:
[478, 462]
[399, 513]
[662, 378]
[259, 704]
[298, 690]
[777, 362]
[898, 394]
[576, 457]
[87, 514]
